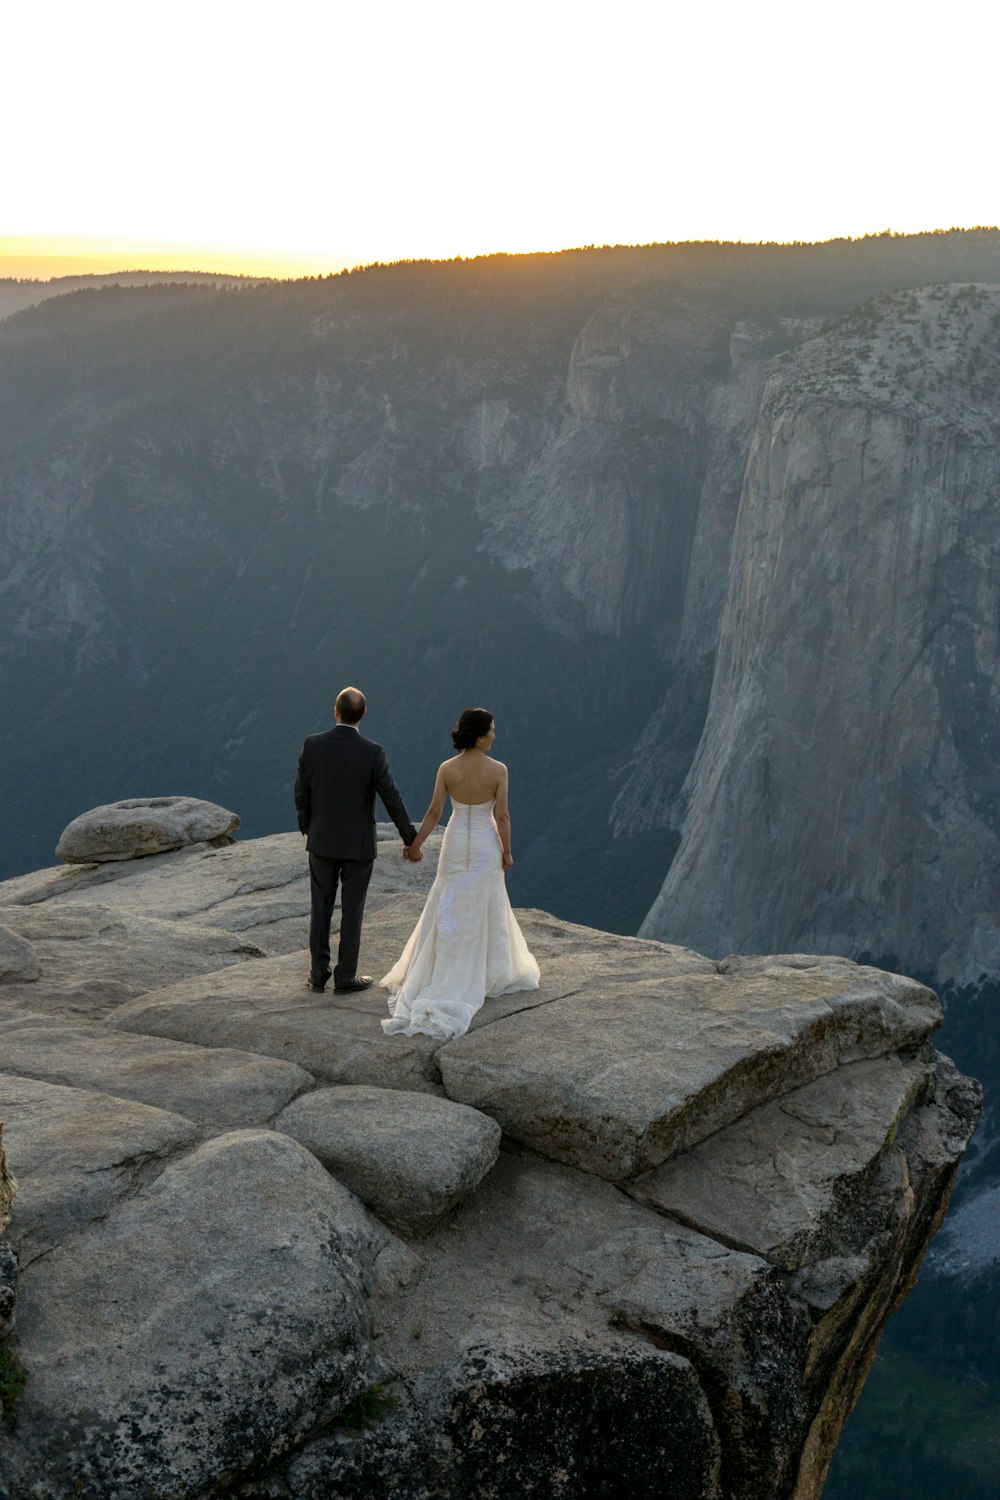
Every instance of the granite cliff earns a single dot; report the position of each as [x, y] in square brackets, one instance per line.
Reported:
[638, 1230]
[845, 795]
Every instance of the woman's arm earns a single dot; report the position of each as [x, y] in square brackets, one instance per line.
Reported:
[502, 815]
[432, 816]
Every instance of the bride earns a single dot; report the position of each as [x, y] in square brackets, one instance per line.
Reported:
[467, 944]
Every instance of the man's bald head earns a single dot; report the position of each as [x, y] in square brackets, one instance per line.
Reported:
[350, 706]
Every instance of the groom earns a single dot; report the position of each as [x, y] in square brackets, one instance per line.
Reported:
[339, 773]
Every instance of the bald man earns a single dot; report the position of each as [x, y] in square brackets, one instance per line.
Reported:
[340, 773]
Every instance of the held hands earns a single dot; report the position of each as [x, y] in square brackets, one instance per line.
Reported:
[412, 854]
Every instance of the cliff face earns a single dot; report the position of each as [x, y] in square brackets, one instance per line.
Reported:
[846, 790]
[206, 490]
[267, 1250]
[606, 508]
[207, 495]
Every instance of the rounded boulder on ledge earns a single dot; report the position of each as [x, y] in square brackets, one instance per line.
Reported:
[141, 826]
[410, 1157]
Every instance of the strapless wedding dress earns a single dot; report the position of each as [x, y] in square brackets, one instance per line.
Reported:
[467, 944]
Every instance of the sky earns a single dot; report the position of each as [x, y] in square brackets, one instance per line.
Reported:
[300, 137]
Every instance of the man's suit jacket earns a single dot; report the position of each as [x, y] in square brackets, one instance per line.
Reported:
[339, 774]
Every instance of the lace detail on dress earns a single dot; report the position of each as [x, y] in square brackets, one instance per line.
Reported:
[467, 944]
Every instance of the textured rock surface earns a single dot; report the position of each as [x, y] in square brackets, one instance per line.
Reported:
[140, 826]
[844, 795]
[338, 1038]
[266, 1007]
[91, 957]
[461, 1431]
[8, 1293]
[553, 1258]
[78, 1152]
[216, 1087]
[616, 1079]
[256, 887]
[6, 1186]
[409, 1157]
[18, 959]
[225, 1316]
[248, 1325]
[786, 1180]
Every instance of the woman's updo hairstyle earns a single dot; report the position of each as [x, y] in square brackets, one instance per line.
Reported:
[472, 724]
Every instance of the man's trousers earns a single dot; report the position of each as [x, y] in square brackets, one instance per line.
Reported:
[353, 876]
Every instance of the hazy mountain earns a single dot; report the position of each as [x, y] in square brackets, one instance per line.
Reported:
[19, 292]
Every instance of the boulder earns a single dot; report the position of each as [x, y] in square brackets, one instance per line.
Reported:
[617, 1077]
[140, 826]
[216, 1087]
[504, 1418]
[18, 959]
[560, 1418]
[410, 1157]
[790, 1181]
[77, 1153]
[207, 1323]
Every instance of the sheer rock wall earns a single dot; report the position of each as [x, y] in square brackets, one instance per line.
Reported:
[845, 794]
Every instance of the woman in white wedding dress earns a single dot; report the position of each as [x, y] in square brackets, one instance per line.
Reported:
[467, 944]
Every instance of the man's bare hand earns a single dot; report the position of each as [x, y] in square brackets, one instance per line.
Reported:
[413, 855]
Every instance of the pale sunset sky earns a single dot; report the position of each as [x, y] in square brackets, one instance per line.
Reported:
[301, 137]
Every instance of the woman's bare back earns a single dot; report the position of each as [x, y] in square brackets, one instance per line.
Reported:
[473, 777]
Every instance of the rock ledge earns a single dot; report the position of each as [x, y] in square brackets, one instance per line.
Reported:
[267, 1248]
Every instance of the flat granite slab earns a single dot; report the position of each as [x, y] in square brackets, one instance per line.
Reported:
[219, 1088]
[628, 1052]
[266, 1007]
[618, 1077]
[338, 1038]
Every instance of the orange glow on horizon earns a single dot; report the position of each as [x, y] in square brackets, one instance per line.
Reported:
[340, 136]
[41, 259]
[25, 258]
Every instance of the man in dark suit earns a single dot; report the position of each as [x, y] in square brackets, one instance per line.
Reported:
[339, 774]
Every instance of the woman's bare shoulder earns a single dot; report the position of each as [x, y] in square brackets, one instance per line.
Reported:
[498, 766]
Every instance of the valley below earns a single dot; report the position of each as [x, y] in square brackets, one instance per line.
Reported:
[711, 530]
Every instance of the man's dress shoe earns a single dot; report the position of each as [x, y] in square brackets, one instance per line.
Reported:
[317, 985]
[349, 986]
